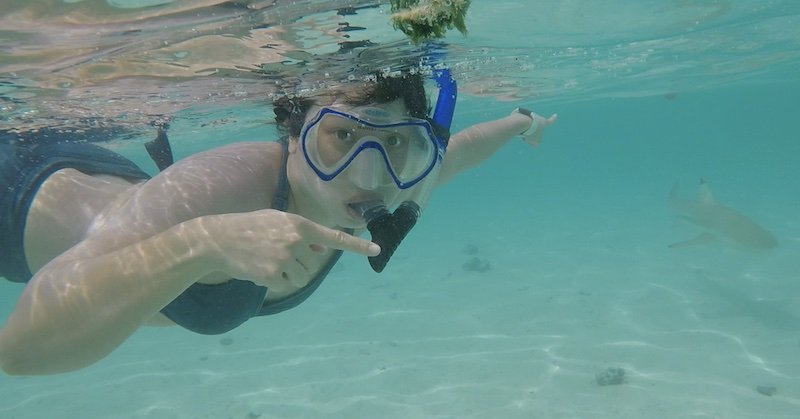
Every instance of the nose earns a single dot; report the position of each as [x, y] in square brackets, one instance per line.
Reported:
[368, 170]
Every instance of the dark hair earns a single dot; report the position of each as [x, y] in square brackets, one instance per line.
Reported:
[290, 112]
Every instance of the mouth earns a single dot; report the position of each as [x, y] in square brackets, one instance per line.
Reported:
[354, 213]
[357, 207]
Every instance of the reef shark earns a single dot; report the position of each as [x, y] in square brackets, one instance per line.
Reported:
[718, 220]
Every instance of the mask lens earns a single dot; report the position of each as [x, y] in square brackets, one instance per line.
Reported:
[333, 139]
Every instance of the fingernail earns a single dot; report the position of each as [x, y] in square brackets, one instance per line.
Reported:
[374, 249]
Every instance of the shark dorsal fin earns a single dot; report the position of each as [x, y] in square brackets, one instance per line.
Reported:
[705, 195]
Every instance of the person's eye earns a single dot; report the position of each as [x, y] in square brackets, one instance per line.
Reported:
[343, 135]
[394, 140]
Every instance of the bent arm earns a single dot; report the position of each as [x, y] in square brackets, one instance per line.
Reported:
[135, 259]
[472, 146]
[64, 319]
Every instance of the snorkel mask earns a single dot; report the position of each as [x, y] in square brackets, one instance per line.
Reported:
[375, 150]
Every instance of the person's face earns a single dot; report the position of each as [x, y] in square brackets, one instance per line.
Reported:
[365, 178]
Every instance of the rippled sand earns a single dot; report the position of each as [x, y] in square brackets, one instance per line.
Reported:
[429, 339]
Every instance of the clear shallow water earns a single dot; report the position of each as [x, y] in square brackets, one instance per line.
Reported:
[576, 231]
[96, 62]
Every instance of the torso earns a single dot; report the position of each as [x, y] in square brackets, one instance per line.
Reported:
[64, 207]
[70, 202]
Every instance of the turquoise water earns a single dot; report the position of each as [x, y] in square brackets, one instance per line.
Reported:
[576, 232]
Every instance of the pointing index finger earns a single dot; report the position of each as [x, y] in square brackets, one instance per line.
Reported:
[341, 240]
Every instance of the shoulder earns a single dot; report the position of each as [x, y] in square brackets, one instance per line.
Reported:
[251, 154]
[233, 178]
[234, 162]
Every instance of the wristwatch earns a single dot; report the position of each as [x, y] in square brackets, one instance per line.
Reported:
[531, 129]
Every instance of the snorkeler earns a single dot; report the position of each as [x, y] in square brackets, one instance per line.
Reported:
[104, 248]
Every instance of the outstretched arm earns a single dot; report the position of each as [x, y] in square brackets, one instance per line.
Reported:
[472, 146]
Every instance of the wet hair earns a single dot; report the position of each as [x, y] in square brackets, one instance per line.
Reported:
[290, 112]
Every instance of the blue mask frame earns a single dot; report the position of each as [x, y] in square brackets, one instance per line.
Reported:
[442, 117]
[401, 184]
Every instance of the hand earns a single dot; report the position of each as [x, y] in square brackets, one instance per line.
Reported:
[533, 135]
[275, 249]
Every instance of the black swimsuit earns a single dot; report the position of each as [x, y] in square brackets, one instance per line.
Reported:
[218, 308]
[202, 308]
[23, 169]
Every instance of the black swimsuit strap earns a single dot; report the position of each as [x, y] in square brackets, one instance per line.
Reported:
[280, 200]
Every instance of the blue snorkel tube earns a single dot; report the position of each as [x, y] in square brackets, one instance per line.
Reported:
[388, 229]
[446, 101]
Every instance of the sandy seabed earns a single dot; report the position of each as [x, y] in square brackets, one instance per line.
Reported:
[703, 333]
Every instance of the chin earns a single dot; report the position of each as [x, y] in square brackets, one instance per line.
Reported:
[353, 225]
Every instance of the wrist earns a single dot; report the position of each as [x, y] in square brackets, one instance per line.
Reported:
[533, 126]
[195, 250]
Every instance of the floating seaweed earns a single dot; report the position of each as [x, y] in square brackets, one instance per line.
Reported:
[429, 20]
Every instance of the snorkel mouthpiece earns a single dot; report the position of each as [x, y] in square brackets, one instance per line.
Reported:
[388, 229]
